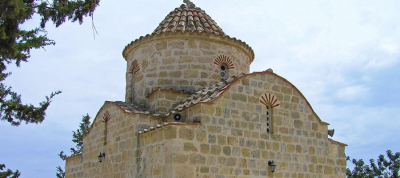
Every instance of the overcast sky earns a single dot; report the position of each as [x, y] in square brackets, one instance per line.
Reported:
[343, 55]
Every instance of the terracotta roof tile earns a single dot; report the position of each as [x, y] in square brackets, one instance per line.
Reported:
[187, 19]
[205, 94]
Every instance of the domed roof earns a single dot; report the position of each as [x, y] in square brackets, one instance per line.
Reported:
[188, 18]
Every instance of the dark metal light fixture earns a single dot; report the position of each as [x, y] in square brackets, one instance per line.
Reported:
[331, 132]
[272, 166]
[101, 157]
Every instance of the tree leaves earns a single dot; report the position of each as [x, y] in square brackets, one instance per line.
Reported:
[8, 173]
[77, 137]
[383, 168]
[16, 44]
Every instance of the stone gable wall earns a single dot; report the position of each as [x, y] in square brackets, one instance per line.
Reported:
[120, 148]
[237, 143]
[180, 64]
[231, 140]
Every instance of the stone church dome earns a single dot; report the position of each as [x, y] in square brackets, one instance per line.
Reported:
[185, 53]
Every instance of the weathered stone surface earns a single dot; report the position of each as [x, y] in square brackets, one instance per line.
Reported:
[180, 158]
[192, 44]
[200, 83]
[239, 97]
[189, 147]
[161, 45]
[205, 45]
[186, 133]
[245, 152]
[177, 45]
[185, 59]
[191, 74]
[205, 148]
[298, 124]
[197, 159]
[227, 150]
[175, 74]
[215, 149]
[164, 81]
[295, 115]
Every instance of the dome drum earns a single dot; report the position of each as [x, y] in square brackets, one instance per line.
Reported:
[182, 63]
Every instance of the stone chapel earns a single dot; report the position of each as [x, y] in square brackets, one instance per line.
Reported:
[193, 110]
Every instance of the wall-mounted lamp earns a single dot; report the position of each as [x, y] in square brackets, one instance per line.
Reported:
[272, 166]
[101, 157]
[331, 132]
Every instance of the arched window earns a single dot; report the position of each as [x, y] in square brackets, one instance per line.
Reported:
[224, 63]
[270, 102]
[269, 119]
[224, 72]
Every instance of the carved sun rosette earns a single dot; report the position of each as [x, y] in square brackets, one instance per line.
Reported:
[269, 99]
[134, 67]
[222, 59]
[106, 116]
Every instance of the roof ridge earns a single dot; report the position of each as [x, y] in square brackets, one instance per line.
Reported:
[188, 18]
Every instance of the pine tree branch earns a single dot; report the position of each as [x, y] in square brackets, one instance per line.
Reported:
[8, 173]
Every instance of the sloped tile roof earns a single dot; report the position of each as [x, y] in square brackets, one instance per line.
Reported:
[130, 107]
[204, 95]
[188, 18]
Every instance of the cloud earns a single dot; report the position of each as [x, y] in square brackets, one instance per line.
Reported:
[350, 93]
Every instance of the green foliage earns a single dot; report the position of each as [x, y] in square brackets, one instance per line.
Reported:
[15, 46]
[8, 173]
[60, 172]
[77, 138]
[383, 168]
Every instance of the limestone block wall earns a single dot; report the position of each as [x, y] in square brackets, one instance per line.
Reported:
[162, 100]
[180, 62]
[74, 166]
[118, 142]
[232, 140]
[155, 156]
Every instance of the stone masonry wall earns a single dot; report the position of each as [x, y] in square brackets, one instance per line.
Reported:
[162, 100]
[74, 166]
[232, 140]
[120, 148]
[180, 63]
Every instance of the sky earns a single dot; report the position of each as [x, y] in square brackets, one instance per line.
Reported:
[343, 55]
